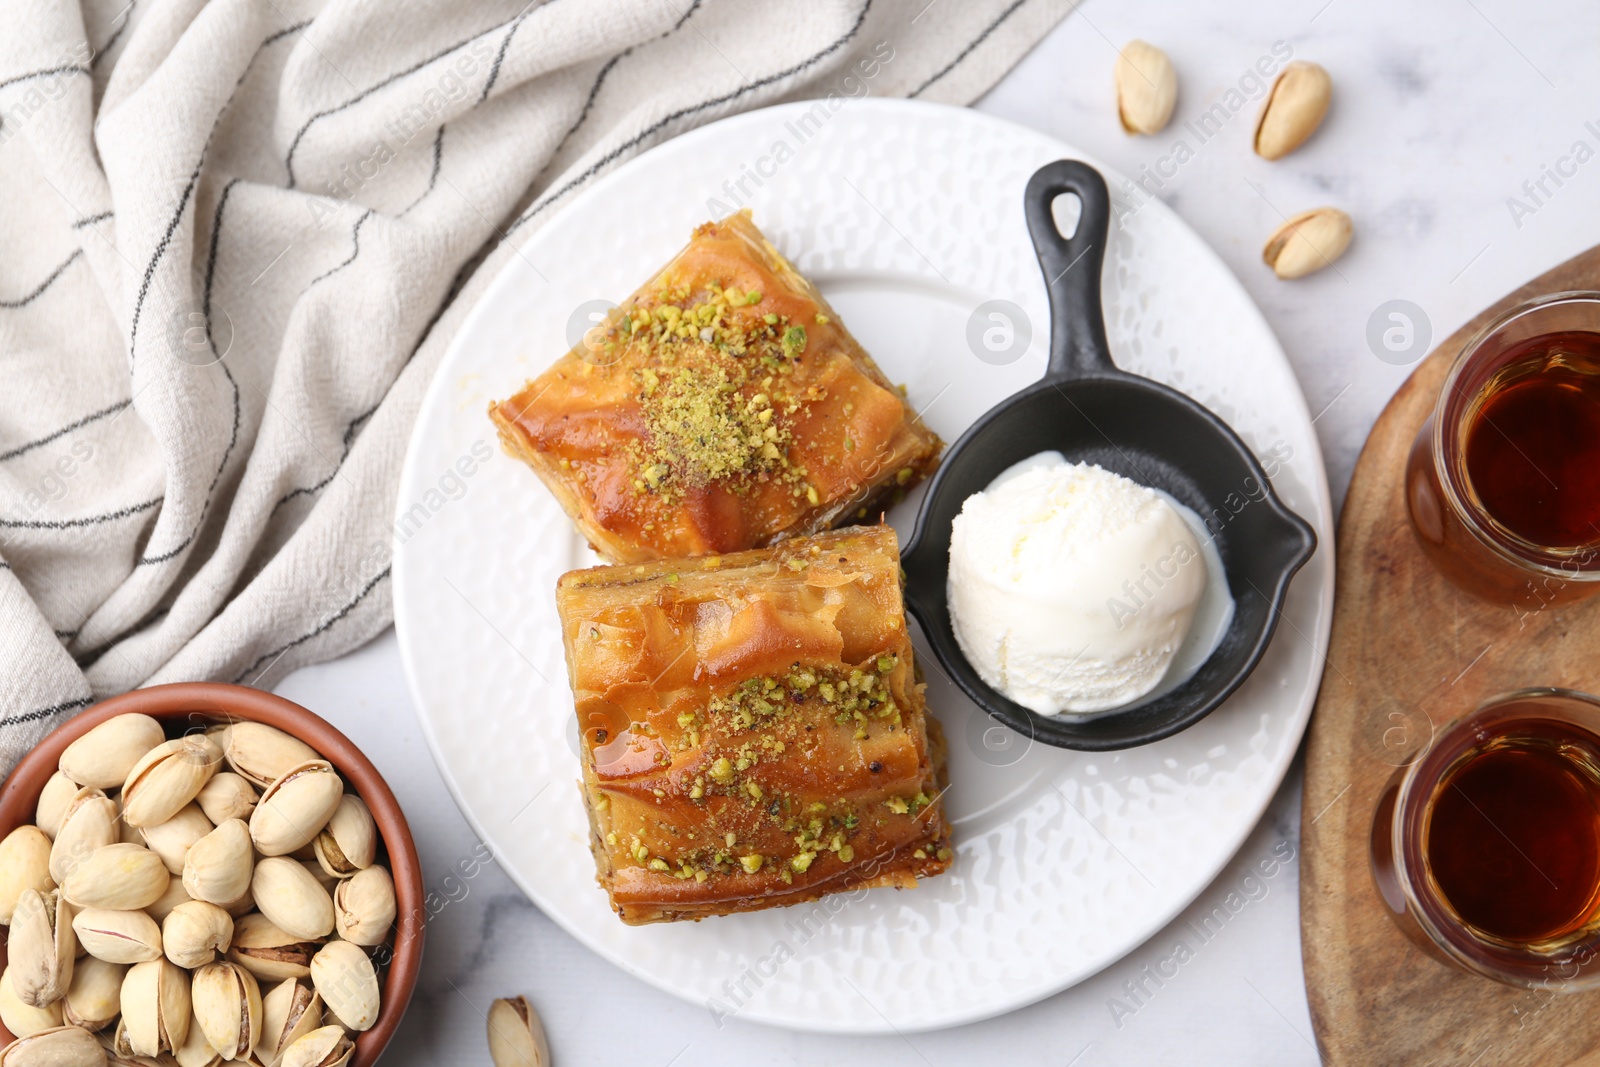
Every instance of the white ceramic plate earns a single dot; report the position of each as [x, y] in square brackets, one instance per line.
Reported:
[909, 216]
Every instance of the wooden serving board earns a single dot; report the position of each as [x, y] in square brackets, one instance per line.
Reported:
[1408, 654]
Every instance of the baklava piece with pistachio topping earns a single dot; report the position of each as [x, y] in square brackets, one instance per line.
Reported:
[753, 731]
[722, 407]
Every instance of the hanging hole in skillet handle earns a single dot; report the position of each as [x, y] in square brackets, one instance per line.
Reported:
[1071, 266]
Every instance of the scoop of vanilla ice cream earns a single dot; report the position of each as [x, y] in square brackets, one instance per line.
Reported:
[1071, 588]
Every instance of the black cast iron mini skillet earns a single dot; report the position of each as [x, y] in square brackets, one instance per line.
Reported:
[1087, 409]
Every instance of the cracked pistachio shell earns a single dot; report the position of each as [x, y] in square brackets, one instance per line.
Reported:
[41, 948]
[324, 879]
[227, 1007]
[94, 1000]
[516, 1036]
[89, 823]
[295, 808]
[174, 896]
[289, 1011]
[1147, 88]
[53, 800]
[167, 778]
[103, 757]
[1308, 242]
[63, 1046]
[347, 982]
[349, 842]
[219, 866]
[1293, 110]
[261, 753]
[227, 796]
[194, 933]
[172, 839]
[24, 1019]
[328, 1046]
[155, 1007]
[118, 936]
[24, 865]
[364, 907]
[268, 952]
[122, 877]
[196, 1051]
[292, 899]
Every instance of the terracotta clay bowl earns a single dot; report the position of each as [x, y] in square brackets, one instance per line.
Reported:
[190, 705]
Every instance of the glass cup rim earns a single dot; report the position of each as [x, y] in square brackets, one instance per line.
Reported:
[1423, 911]
[1485, 528]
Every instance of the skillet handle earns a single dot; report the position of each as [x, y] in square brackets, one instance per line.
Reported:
[1072, 267]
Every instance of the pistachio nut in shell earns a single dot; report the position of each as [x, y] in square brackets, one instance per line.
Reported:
[364, 907]
[219, 866]
[289, 1011]
[262, 753]
[227, 796]
[1308, 242]
[227, 1006]
[196, 1051]
[328, 1046]
[57, 793]
[195, 933]
[268, 952]
[295, 808]
[516, 1036]
[156, 1007]
[1147, 88]
[41, 948]
[293, 900]
[349, 842]
[121, 876]
[24, 865]
[164, 904]
[171, 840]
[168, 777]
[118, 936]
[63, 1046]
[103, 757]
[347, 982]
[89, 823]
[1293, 110]
[24, 1019]
[94, 1000]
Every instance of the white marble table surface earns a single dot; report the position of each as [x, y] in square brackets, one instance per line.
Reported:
[1443, 109]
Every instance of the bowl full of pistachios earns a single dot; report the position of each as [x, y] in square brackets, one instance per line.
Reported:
[200, 873]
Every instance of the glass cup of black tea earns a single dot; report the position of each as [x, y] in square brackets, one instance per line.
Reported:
[1486, 848]
[1503, 481]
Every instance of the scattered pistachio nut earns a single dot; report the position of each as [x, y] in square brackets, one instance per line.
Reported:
[24, 865]
[1147, 88]
[156, 1009]
[174, 896]
[1308, 242]
[268, 952]
[122, 877]
[168, 777]
[61, 1046]
[24, 1019]
[328, 1046]
[227, 796]
[364, 907]
[349, 842]
[53, 800]
[41, 948]
[194, 933]
[516, 1036]
[94, 1000]
[347, 982]
[1293, 110]
[291, 899]
[227, 1006]
[289, 1011]
[171, 840]
[295, 808]
[103, 757]
[118, 936]
[261, 753]
[89, 823]
[218, 867]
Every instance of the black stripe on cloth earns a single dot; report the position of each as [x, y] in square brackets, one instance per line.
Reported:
[91, 520]
[327, 624]
[45, 713]
[80, 424]
[24, 301]
[965, 52]
[116, 34]
[189, 187]
[685, 16]
[633, 142]
[92, 219]
[69, 68]
[355, 239]
[433, 175]
[350, 431]
[500, 55]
